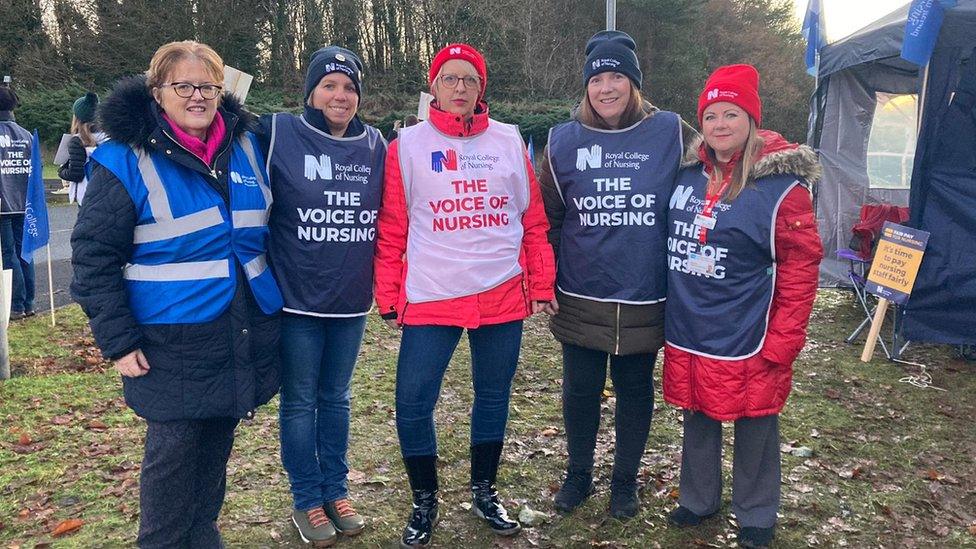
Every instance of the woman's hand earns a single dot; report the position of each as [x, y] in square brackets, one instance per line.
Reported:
[548, 307]
[133, 364]
[392, 324]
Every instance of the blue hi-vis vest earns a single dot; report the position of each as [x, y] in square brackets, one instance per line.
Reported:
[722, 314]
[186, 241]
[615, 185]
[327, 193]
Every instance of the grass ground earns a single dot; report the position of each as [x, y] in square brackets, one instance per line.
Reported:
[891, 464]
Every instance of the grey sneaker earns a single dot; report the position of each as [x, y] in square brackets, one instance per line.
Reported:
[314, 527]
[346, 520]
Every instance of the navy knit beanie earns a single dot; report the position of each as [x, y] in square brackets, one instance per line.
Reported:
[612, 51]
[332, 59]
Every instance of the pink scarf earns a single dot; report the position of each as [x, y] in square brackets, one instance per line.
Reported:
[204, 150]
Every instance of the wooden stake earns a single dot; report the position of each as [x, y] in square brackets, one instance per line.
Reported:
[50, 282]
[876, 322]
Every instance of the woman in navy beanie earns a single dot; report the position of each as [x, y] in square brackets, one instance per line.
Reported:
[326, 170]
[605, 178]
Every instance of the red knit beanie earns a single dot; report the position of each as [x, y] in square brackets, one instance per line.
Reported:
[736, 84]
[463, 52]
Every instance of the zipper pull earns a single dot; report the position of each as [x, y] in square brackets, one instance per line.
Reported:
[213, 173]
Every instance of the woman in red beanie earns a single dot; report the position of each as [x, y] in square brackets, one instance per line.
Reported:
[743, 257]
[461, 245]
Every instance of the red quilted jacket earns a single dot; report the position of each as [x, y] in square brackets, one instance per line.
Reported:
[759, 385]
[504, 303]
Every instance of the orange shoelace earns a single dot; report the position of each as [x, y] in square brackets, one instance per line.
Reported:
[317, 517]
[344, 508]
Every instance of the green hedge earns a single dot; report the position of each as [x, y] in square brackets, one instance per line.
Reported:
[49, 110]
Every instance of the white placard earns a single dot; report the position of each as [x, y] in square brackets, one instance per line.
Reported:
[61, 156]
[237, 83]
[423, 106]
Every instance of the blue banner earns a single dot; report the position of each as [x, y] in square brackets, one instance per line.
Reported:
[813, 34]
[922, 29]
[37, 230]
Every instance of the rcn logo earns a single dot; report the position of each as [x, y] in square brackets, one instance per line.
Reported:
[455, 51]
[318, 168]
[592, 158]
[440, 161]
[680, 197]
[5, 140]
[715, 93]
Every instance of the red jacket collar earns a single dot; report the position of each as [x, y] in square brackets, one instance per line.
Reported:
[455, 126]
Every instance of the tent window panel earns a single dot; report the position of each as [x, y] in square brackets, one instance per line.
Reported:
[891, 145]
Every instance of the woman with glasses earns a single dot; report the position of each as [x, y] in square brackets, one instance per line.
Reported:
[326, 172]
[170, 267]
[462, 245]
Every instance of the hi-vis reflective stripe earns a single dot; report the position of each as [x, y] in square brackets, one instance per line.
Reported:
[253, 218]
[174, 272]
[171, 228]
[249, 218]
[166, 226]
[255, 267]
[252, 158]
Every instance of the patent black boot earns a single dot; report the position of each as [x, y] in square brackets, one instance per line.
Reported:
[422, 471]
[485, 504]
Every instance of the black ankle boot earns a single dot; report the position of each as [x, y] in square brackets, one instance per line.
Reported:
[485, 504]
[624, 502]
[575, 489]
[422, 471]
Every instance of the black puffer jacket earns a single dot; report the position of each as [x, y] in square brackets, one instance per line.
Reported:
[223, 368]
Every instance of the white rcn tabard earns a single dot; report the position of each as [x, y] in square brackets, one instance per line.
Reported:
[465, 200]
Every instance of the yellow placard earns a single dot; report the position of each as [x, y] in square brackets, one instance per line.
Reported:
[895, 266]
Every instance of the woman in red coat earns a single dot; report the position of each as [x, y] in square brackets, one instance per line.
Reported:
[461, 245]
[743, 257]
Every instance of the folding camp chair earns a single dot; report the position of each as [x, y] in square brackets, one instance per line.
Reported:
[859, 256]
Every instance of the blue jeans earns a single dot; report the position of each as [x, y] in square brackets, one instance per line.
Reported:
[318, 356]
[11, 237]
[425, 352]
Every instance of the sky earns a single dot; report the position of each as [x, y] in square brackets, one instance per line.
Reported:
[846, 16]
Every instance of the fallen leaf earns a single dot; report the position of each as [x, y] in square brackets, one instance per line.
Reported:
[97, 425]
[549, 432]
[674, 493]
[62, 419]
[832, 394]
[67, 526]
[24, 439]
[972, 529]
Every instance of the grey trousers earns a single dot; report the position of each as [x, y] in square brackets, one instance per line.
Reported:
[755, 468]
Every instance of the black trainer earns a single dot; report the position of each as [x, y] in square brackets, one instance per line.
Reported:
[577, 487]
[683, 517]
[422, 472]
[624, 502]
[485, 504]
[756, 538]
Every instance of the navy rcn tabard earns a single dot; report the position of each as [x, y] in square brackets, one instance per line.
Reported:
[327, 194]
[615, 184]
[722, 314]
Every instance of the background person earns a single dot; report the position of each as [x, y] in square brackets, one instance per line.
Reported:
[169, 265]
[461, 246]
[612, 275]
[325, 268]
[15, 152]
[85, 138]
[741, 284]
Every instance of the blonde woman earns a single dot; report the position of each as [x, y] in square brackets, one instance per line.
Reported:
[85, 138]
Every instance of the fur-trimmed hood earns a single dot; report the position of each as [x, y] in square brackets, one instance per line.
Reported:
[130, 114]
[778, 156]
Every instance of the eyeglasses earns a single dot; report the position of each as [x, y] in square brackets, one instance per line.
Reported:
[186, 89]
[451, 81]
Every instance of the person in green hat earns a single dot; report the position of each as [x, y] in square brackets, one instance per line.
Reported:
[86, 138]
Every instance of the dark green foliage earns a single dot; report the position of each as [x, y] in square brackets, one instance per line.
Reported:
[48, 110]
